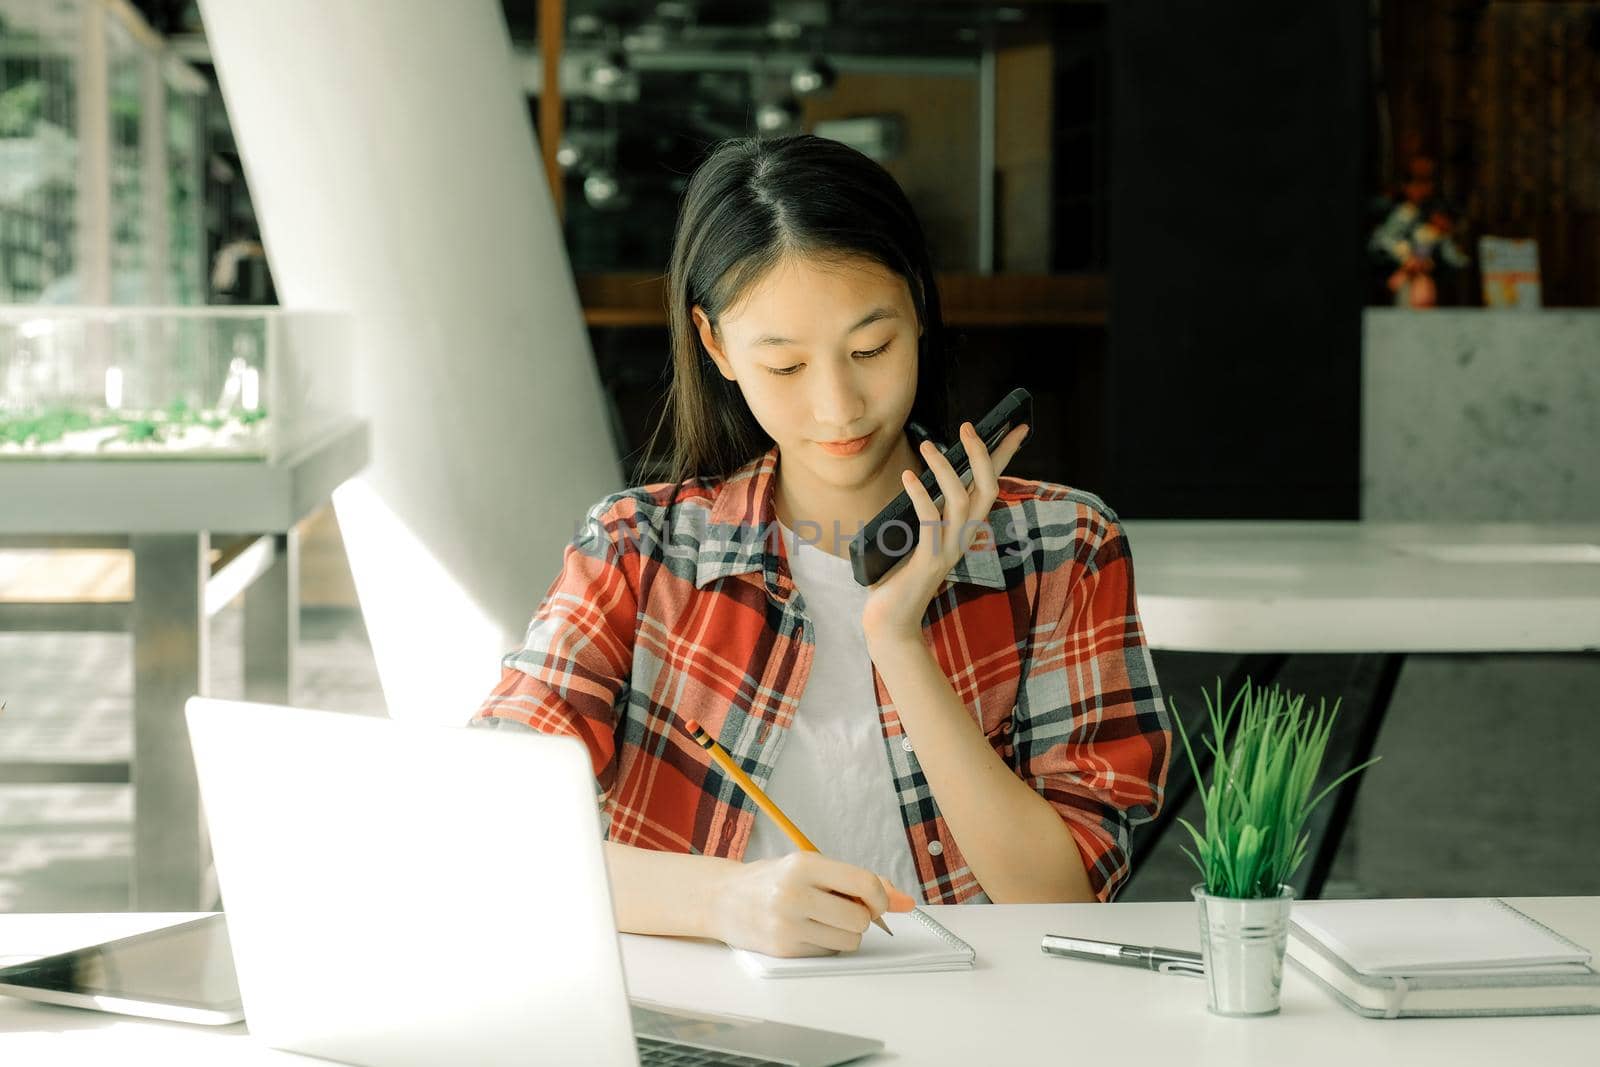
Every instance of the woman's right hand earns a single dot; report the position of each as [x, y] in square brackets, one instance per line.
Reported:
[792, 905]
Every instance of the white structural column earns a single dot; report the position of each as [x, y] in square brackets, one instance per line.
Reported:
[93, 250]
[392, 163]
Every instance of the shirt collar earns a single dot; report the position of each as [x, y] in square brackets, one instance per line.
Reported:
[743, 510]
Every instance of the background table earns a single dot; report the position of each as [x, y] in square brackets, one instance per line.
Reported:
[1379, 590]
[170, 514]
[1017, 1006]
[1367, 586]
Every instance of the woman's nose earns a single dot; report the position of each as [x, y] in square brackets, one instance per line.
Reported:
[839, 400]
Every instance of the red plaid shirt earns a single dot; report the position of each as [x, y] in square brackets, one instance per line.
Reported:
[675, 601]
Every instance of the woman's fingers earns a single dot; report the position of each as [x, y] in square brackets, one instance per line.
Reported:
[898, 901]
[845, 913]
[852, 881]
[937, 528]
[962, 503]
[1008, 446]
[984, 485]
[807, 904]
[829, 937]
[956, 496]
[987, 466]
[927, 510]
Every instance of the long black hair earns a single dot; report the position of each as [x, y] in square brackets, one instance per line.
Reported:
[748, 205]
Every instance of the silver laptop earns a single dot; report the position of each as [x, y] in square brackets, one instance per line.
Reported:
[402, 894]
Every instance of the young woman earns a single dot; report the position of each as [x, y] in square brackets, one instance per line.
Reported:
[981, 724]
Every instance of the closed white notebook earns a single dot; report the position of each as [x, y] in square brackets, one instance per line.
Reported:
[1482, 935]
[919, 943]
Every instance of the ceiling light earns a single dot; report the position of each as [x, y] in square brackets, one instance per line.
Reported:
[601, 190]
[777, 116]
[609, 71]
[817, 76]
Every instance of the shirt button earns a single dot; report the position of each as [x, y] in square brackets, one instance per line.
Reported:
[935, 848]
[905, 744]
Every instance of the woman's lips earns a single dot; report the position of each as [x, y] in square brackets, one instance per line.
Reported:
[845, 448]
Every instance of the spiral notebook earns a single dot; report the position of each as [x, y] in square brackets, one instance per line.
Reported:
[1428, 936]
[919, 943]
[1391, 959]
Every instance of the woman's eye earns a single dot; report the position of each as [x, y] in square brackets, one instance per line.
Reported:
[786, 371]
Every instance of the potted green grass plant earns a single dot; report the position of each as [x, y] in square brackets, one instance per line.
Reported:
[1266, 748]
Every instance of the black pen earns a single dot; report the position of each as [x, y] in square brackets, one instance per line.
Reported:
[1153, 958]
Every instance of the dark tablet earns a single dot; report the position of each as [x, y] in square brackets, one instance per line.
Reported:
[183, 973]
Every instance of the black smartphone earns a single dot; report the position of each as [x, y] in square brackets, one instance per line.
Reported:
[880, 545]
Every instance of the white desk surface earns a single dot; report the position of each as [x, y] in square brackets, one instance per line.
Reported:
[1367, 586]
[1017, 1007]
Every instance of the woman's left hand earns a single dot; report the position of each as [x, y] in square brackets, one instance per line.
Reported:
[900, 598]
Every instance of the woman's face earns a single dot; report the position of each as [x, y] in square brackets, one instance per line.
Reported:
[823, 351]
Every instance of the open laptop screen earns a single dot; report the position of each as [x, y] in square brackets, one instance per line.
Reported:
[183, 972]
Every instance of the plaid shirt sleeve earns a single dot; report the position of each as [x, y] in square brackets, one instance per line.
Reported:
[577, 656]
[1092, 735]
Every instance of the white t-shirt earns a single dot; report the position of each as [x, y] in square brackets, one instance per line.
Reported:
[832, 775]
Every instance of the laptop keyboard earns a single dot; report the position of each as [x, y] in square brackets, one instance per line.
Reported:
[654, 1052]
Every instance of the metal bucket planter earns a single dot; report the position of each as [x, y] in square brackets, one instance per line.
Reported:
[1242, 941]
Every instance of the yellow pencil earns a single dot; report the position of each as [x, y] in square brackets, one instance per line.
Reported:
[764, 802]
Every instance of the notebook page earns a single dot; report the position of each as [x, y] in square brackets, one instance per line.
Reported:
[920, 943]
[1426, 936]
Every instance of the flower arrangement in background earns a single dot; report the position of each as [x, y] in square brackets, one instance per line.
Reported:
[1416, 235]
